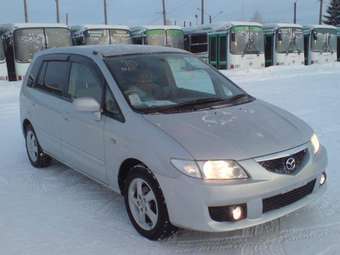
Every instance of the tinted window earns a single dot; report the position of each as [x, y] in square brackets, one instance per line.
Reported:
[56, 76]
[85, 82]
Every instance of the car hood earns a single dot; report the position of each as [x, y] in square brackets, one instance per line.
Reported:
[240, 132]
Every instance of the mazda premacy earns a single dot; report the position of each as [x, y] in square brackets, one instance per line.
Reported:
[184, 145]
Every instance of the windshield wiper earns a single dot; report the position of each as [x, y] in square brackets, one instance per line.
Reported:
[239, 98]
[192, 105]
[201, 101]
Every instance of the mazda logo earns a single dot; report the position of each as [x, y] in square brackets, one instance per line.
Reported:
[291, 164]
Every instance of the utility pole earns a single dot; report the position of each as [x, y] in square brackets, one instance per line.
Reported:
[164, 12]
[202, 12]
[321, 11]
[25, 11]
[295, 9]
[57, 10]
[105, 12]
[66, 18]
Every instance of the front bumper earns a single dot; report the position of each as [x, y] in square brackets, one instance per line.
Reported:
[188, 199]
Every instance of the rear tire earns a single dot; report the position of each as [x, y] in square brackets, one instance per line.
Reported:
[35, 153]
[146, 205]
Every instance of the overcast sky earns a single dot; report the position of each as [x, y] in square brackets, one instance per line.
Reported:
[131, 12]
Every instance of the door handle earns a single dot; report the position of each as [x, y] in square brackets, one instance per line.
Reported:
[66, 118]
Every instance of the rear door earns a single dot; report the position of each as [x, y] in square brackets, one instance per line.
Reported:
[222, 47]
[213, 58]
[47, 98]
[82, 135]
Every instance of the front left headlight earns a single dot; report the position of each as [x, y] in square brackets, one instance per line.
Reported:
[315, 143]
[222, 170]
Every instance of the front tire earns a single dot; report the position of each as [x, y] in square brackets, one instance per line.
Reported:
[35, 153]
[146, 205]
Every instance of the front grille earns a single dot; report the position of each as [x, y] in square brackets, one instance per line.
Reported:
[280, 165]
[282, 200]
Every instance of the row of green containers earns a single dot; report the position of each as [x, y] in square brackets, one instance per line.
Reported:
[227, 45]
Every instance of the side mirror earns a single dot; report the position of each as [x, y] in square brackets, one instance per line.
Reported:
[87, 104]
[233, 37]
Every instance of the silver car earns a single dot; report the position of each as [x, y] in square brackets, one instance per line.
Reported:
[183, 144]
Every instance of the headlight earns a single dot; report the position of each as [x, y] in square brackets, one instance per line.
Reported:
[315, 143]
[187, 167]
[222, 170]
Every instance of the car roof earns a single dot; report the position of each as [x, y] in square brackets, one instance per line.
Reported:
[110, 50]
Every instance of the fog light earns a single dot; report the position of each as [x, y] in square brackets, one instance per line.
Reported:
[236, 212]
[323, 179]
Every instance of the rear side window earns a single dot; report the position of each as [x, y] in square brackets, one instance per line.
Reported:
[53, 77]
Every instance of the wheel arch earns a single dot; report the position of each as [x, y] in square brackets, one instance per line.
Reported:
[124, 170]
[25, 124]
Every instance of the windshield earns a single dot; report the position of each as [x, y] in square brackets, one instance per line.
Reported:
[120, 36]
[155, 37]
[2, 53]
[290, 40]
[28, 42]
[175, 38]
[324, 40]
[58, 37]
[246, 40]
[97, 36]
[163, 82]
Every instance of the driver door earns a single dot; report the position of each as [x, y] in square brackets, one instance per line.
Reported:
[82, 134]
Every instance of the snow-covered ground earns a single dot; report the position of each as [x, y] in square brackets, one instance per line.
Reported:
[58, 211]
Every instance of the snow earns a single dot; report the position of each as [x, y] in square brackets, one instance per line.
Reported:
[58, 211]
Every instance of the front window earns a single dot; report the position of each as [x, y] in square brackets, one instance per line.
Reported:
[167, 83]
[156, 37]
[246, 40]
[97, 36]
[175, 38]
[120, 36]
[58, 37]
[28, 42]
[290, 40]
[324, 40]
[2, 53]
